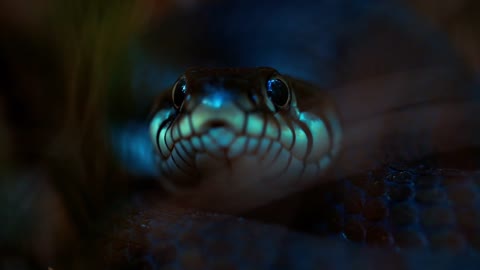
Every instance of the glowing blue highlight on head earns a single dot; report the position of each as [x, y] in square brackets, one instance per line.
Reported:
[216, 98]
[132, 145]
[215, 101]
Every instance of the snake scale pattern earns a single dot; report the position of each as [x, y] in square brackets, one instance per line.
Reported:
[408, 217]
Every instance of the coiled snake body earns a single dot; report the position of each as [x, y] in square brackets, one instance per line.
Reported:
[233, 139]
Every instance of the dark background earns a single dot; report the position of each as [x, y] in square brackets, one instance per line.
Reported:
[69, 69]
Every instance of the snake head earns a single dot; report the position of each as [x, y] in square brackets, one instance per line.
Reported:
[239, 134]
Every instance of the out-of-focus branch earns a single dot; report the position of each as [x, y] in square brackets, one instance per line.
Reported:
[459, 18]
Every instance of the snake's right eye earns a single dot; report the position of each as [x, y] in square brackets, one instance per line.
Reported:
[179, 92]
[278, 92]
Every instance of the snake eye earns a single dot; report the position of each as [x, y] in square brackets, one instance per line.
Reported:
[179, 92]
[278, 92]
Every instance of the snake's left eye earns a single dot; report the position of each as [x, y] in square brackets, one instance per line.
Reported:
[179, 92]
[278, 92]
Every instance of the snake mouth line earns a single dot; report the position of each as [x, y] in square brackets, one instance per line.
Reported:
[274, 149]
[221, 150]
[218, 145]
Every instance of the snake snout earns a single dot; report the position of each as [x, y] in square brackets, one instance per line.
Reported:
[205, 118]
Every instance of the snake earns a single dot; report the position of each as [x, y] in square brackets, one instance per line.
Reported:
[394, 207]
[229, 140]
[244, 125]
[228, 135]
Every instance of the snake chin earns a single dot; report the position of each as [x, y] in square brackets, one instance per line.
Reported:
[235, 187]
[231, 173]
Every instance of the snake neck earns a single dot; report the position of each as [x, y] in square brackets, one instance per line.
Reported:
[406, 116]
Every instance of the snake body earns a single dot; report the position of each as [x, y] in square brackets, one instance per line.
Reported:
[234, 139]
[397, 208]
[401, 209]
[411, 116]
[407, 217]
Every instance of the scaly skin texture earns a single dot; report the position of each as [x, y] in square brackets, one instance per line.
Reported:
[400, 209]
[404, 208]
[409, 217]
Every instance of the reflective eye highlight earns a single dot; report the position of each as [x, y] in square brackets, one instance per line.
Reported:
[278, 92]
[179, 92]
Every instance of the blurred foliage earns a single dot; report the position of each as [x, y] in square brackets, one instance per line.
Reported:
[69, 79]
[91, 39]
[460, 20]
